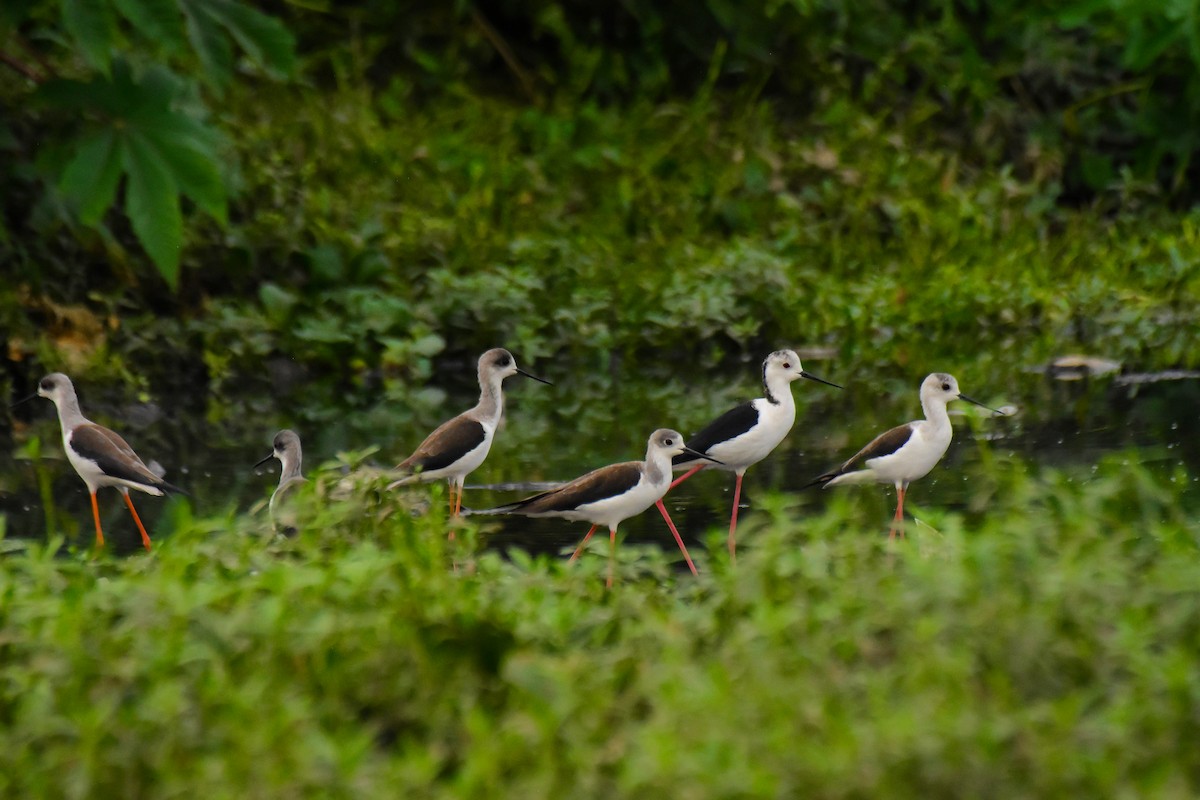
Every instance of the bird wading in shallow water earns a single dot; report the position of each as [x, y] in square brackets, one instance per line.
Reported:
[610, 495]
[286, 448]
[458, 446]
[100, 456]
[908, 452]
[746, 434]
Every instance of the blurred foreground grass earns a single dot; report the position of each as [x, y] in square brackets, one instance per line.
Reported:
[1043, 644]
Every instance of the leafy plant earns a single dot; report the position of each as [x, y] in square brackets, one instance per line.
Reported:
[145, 123]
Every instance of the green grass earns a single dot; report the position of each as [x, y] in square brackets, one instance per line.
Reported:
[1040, 642]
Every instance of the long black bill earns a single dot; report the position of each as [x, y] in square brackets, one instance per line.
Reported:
[535, 377]
[981, 405]
[23, 400]
[698, 454]
[812, 377]
[265, 460]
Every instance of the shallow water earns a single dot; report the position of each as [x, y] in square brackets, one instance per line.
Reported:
[556, 433]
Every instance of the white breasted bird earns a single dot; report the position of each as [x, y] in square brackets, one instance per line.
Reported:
[100, 456]
[286, 448]
[746, 434]
[460, 445]
[610, 495]
[908, 452]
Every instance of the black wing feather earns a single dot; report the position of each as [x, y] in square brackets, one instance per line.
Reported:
[730, 425]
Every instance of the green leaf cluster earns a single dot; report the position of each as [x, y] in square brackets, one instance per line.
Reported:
[144, 117]
[1045, 648]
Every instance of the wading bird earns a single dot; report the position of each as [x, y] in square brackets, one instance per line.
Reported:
[100, 456]
[610, 495]
[746, 434]
[286, 448]
[908, 452]
[458, 446]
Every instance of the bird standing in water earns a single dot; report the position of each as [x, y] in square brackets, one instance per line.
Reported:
[907, 452]
[286, 448]
[100, 456]
[610, 495]
[746, 434]
[458, 446]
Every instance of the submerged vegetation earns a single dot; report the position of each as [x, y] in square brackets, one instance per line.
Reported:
[313, 211]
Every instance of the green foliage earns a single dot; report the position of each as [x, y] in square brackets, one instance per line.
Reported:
[144, 121]
[1043, 648]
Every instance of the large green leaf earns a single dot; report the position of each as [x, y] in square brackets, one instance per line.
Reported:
[210, 44]
[92, 176]
[90, 25]
[264, 38]
[152, 203]
[195, 173]
[158, 20]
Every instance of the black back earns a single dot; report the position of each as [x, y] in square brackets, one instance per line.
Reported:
[730, 425]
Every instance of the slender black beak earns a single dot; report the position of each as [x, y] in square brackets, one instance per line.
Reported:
[265, 460]
[535, 377]
[698, 454]
[981, 405]
[812, 377]
[23, 400]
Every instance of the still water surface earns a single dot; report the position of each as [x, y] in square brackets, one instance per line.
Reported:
[591, 419]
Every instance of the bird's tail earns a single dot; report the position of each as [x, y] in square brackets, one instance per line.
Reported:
[171, 488]
[820, 480]
[405, 479]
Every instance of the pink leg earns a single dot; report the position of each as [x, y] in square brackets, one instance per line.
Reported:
[898, 520]
[737, 498]
[453, 512]
[579, 549]
[612, 554]
[685, 476]
[96, 518]
[138, 520]
[678, 539]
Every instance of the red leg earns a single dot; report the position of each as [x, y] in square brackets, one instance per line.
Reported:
[96, 517]
[684, 477]
[458, 501]
[137, 519]
[898, 520]
[678, 539]
[579, 549]
[612, 554]
[453, 514]
[737, 498]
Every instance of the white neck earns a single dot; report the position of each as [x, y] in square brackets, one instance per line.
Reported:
[779, 390]
[657, 467]
[491, 398]
[935, 411]
[289, 467]
[69, 415]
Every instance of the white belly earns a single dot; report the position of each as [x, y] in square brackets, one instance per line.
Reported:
[612, 511]
[740, 452]
[914, 460]
[465, 465]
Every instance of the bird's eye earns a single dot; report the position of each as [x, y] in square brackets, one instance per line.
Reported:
[47, 386]
[668, 442]
[945, 387]
[502, 361]
[786, 365]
